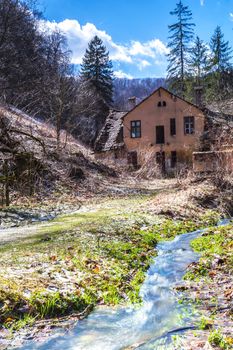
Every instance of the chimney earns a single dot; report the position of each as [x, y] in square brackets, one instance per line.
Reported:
[198, 95]
[132, 101]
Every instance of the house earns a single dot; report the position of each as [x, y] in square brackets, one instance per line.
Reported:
[163, 125]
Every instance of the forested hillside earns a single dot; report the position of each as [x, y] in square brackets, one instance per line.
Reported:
[139, 88]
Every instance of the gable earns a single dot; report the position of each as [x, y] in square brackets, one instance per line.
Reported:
[162, 95]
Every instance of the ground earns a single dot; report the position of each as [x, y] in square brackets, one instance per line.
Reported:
[99, 254]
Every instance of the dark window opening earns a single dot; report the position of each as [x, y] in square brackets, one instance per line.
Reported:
[120, 136]
[133, 159]
[188, 125]
[162, 104]
[173, 126]
[160, 139]
[173, 159]
[160, 160]
[135, 129]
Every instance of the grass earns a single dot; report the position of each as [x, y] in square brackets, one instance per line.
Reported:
[81, 260]
[217, 241]
[216, 338]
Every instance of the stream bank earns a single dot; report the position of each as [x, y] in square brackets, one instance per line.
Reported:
[209, 285]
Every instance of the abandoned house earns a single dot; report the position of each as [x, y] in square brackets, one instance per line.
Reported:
[162, 125]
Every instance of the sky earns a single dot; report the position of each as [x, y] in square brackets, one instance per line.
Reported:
[135, 32]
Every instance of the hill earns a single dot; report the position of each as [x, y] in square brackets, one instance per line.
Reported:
[32, 163]
[140, 88]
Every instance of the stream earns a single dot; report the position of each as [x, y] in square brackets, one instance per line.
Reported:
[148, 326]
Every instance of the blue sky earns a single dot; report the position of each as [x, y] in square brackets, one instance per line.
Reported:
[134, 31]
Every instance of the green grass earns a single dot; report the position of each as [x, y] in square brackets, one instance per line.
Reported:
[216, 338]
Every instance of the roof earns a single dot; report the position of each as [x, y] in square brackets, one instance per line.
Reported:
[218, 117]
[109, 137]
[169, 92]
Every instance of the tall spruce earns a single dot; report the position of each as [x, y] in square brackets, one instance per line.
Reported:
[97, 69]
[181, 35]
[221, 52]
[219, 66]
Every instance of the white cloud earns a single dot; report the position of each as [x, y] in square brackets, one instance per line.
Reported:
[78, 37]
[140, 54]
[231, 15]
[202, 2]
[142, 64]
[121, 74]
[150, 48]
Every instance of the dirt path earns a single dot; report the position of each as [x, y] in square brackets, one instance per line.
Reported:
[127, 188]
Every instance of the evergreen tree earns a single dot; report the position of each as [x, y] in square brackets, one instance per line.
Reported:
[199, 59]
[221, 52]
[181, 34]
[97, 69]
[219, 66]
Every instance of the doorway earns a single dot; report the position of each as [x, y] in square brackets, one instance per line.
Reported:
[160, 139]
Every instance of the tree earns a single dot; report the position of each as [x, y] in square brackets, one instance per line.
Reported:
[59, 91]
[219, 66]
[21, 51]
[198, 67]
[181, 35]
[221, 52]
[97, 69]
[199, 58]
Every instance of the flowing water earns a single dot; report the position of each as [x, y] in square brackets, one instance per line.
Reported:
[148, 326]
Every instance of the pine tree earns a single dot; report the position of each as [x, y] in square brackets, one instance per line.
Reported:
[199, 59]
[97, 69]
[181, 34]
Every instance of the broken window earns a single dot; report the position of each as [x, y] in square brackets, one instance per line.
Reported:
[173, 126]
[173, 159]
[188, 125]
[136, 129]
[160, 139]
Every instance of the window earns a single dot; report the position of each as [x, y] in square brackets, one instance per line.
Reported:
[160, 139]
[162, 104]
[188, 125]
[173, 126]
[173, 159]
[136, 129]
